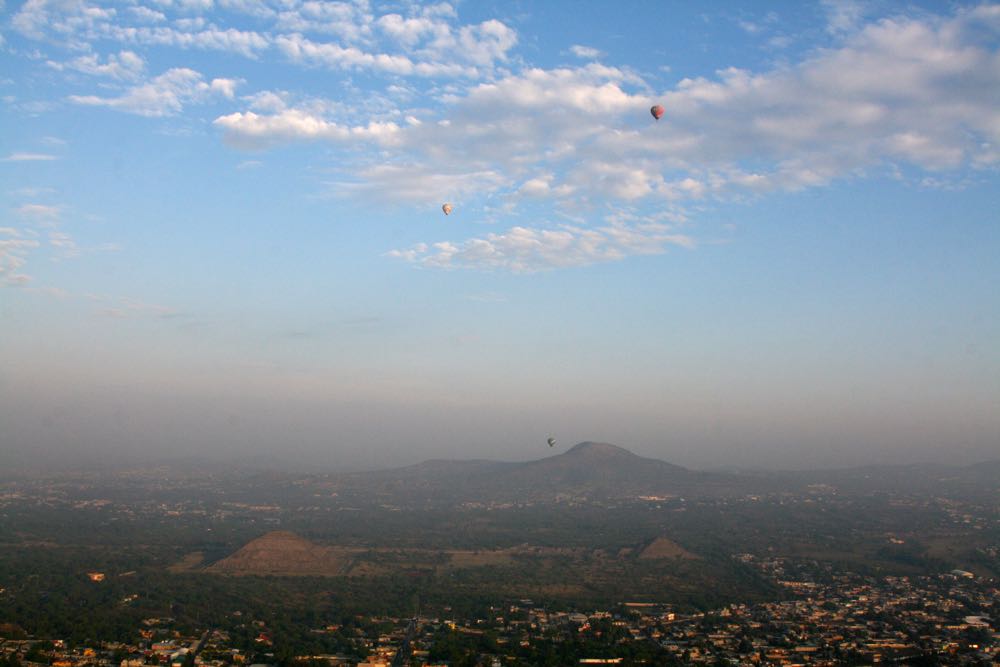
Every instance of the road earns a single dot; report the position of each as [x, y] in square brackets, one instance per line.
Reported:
[402, 657]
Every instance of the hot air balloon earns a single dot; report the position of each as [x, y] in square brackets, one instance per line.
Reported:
[657, 111]
[552, 442]
[446, 208]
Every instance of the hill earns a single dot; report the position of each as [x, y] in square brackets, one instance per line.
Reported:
[591, 463]
[595, 470]
[603, 472]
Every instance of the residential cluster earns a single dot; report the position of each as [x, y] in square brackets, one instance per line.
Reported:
[830, 618]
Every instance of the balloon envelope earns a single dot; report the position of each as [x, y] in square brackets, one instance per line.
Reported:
[657, 112]
[551, 441]
[446, 208]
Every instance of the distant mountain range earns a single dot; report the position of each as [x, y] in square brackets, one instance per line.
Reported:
[588, 463]
[586, 471]
[590, 469]
[598, 470]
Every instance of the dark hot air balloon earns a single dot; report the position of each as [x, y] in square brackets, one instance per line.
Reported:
[657, 112]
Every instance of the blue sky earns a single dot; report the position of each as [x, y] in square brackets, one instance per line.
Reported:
[222, 233]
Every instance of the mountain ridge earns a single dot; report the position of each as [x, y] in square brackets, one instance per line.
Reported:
[589, 468]
[587, 449]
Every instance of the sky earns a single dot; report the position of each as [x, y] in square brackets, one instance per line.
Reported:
[221, 231]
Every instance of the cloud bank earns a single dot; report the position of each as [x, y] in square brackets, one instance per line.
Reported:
[460, 118]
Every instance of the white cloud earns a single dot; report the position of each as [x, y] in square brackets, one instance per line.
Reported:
[518, 115]
[526, 250]
[591, 90]
[428, 42]
[913, 91]
[12, 259]
[243, 42]
[445, 9]
[920, 92]
[251, 130]
[486, 43]
[517, 129]
[37, 230]
[193, 5]
[843, 15]
[147, 15]
[350, 21]
[917, 91]
[254, 8]
[224, 87]
[618, 181]
[432, 38]
[900, 92]
[298, 48]
[70, 19]
[413, 183]
[302, 49]
[195, 24]
[164, 95]
[64, 243]
[411, 31]
[539, 186]
[267, 101]
[39, 212]
[124, 65]
[14, 249]
[31, 192]
[29, 157]
[585, 52]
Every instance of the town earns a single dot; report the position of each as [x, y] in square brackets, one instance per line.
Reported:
[835, 618]
[158, 567]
